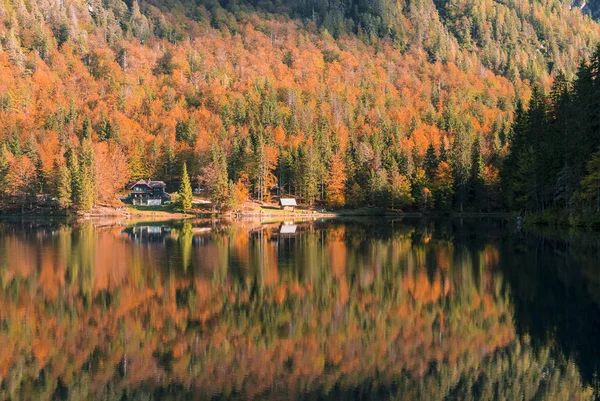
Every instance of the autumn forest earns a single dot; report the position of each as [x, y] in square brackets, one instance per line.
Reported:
[406, 105]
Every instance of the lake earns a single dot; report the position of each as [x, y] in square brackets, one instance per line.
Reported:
[307, 310]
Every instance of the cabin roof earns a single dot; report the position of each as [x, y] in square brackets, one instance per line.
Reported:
[288, 202]
[150, 183]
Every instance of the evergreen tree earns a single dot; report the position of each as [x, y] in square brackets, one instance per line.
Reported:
[169, 161]
[378, 187]
[86, 128]
[232, 202]
[591, 182]
[430, 164]
[30, 149]
[14, 143]
[308, 173]
[517, 146]
[75, 175]
[87, 170]
[460, 168]
[537, 117]
[219, 187]
[64, 190]
[476, 179]
[186, 131]
[443, 153]
[185, 193]
[107, 130]
[81, 170]
[5, 157]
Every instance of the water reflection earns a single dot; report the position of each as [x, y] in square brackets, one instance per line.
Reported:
[300, 310]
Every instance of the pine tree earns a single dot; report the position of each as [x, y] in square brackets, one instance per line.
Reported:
[5, 157]
[537, 117]
[169, 161]
[309, 179]
[88, 188]
[476, 179]
[108, 130]
[64, 190]
[232, 202]
[460, 168]
[87, 192]
[430, 163]
[219, 188]
[186, 131]
[517, 144]
[185, 190]
[86, 128]
[443, 153]
[76, 184]
[82, 172]
[591, 182]
[379, 188]
[14, 143]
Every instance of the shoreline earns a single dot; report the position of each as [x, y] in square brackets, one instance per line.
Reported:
[165, 215]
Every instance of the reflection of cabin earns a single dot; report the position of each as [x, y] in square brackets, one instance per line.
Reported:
[288, 203]
[146, 234]
[288, 228]
[148, 193]
[201, 230]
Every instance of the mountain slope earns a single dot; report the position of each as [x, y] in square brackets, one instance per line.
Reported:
[97, 93]
[516, 38]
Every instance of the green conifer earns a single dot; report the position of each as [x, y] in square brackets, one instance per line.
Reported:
[430, 164]
[64, 190]
[185, 191]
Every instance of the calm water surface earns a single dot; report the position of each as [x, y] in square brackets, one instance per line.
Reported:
[351, 310]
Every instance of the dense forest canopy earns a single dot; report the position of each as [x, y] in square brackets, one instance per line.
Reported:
[349, 103]
[554, 160]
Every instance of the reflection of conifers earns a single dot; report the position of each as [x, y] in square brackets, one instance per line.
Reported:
[556, 293]
[400, 313]
[185, 242]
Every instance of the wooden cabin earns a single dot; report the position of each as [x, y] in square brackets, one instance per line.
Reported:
[147, 193]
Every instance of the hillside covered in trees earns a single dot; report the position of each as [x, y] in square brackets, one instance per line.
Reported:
[345, 102]
[554, 160]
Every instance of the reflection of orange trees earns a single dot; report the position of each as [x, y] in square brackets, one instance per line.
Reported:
[373, 312]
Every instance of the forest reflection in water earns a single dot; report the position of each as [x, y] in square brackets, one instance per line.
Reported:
[361, 309]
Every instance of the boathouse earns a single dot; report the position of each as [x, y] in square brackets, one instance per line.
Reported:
[288, 203]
